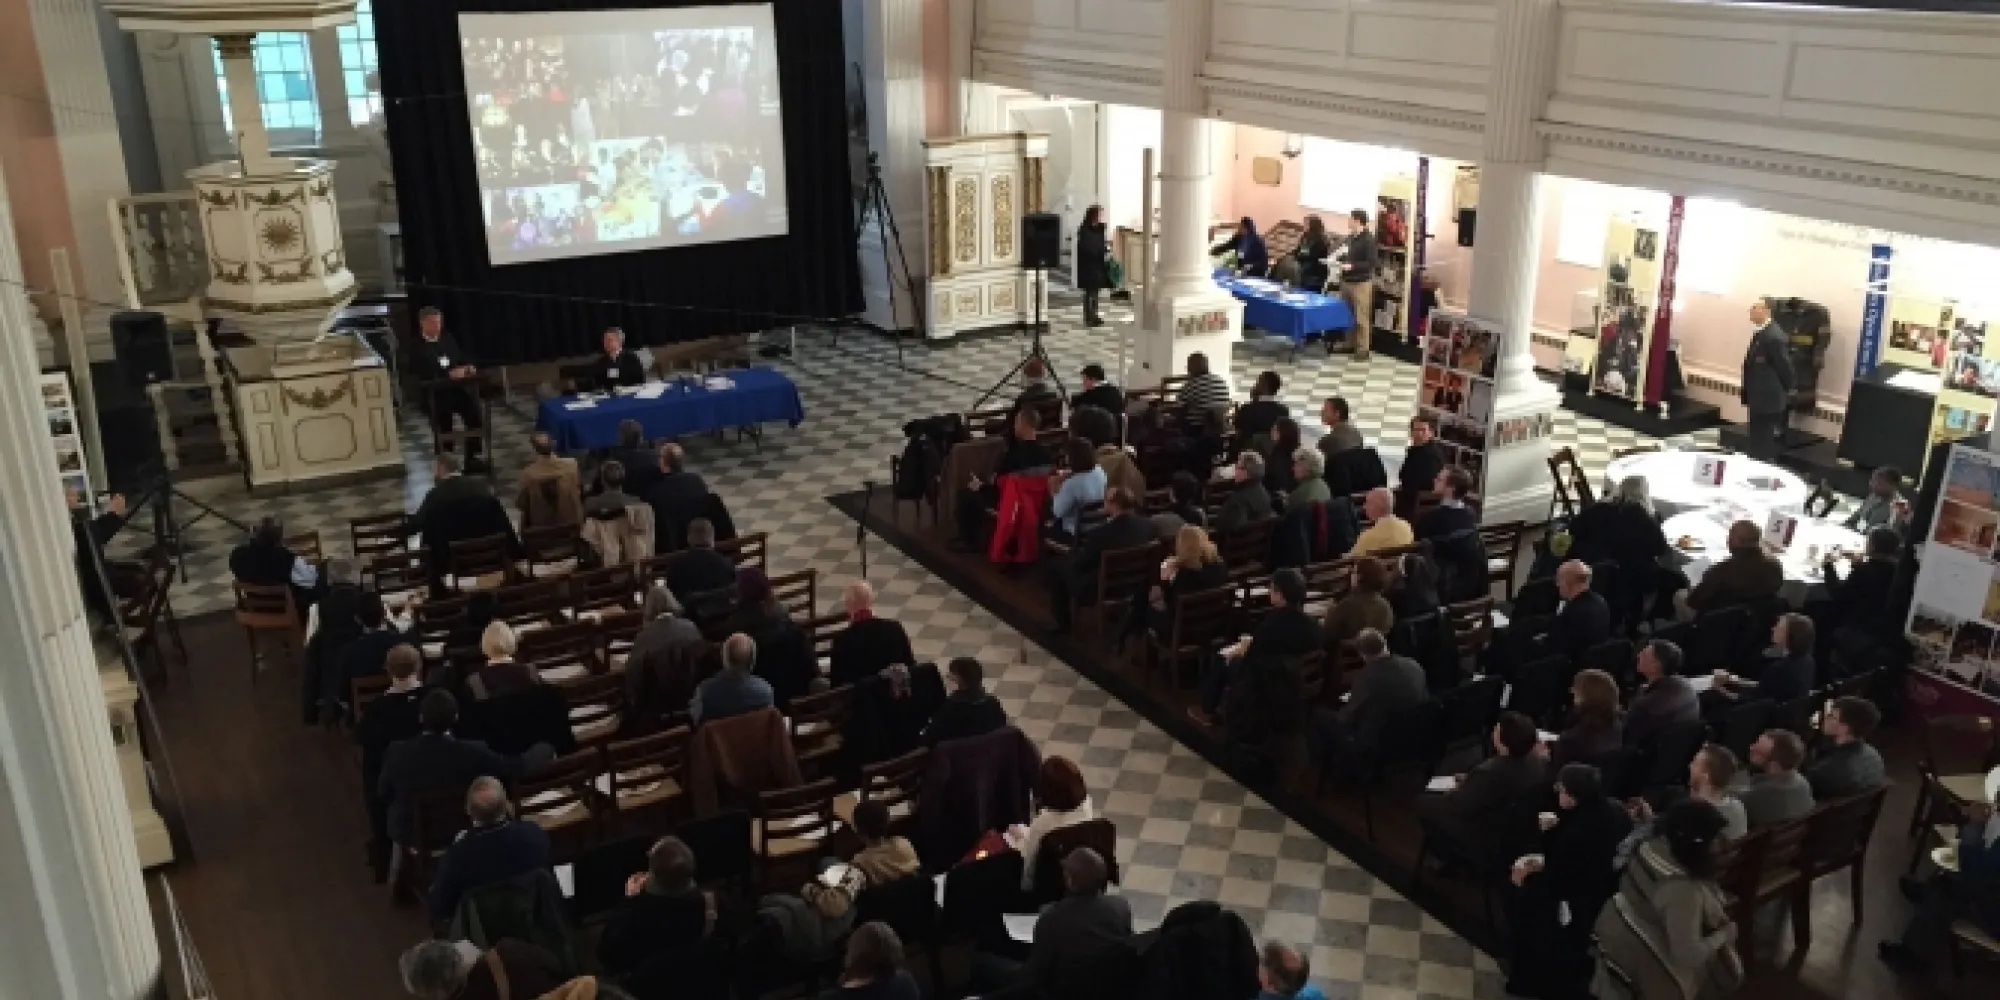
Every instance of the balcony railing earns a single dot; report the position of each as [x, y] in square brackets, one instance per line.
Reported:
[162, 252]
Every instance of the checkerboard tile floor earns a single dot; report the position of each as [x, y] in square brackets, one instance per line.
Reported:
[1187, 831]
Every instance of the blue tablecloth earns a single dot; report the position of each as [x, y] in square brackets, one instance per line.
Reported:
[1271, 306]
[761, 395]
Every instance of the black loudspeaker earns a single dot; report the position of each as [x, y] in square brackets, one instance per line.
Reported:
[144, 351]
[1041, 240]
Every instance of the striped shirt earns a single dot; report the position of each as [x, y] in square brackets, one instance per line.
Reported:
[1205, 391]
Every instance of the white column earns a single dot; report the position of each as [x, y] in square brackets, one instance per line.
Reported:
[71, 899]
[93, 157]
[1191, 314]
[246, 114]
[892, 71]
[1505, 257]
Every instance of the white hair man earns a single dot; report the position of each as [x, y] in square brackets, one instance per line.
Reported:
[495, 849]
[1250, 500]
[737, 689]
[870, 643]
[1385, 530]
[456, 970]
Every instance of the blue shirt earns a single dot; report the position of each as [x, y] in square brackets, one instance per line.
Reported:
[728, 694]
[1079, 489]
[1307, 992]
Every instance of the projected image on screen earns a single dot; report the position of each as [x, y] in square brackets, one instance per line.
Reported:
[608, 131]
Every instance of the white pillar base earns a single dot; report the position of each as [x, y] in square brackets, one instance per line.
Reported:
[1518, 487]
[1209, 321]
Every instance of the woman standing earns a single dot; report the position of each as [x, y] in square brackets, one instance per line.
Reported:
[1666, 934]
[1093, 273]
[1253, 259]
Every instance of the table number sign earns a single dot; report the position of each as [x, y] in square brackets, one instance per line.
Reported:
[1780, 529]
[1708, 470]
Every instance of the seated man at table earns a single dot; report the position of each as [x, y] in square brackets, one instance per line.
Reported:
[1884, 506]
[1858, 615]
[615, 367]
[446, 368]
[1023, 453]
[1747, 576]
[677, 497]
[550, 493]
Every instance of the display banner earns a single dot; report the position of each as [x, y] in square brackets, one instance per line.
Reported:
[1954, 622]
[1663, 316]
[1420, 244]
[1874, 305]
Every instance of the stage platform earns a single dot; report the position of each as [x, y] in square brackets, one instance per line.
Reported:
[1679, 416]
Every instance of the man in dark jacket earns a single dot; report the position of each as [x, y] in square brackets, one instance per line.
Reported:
[1358, 261]
[264, 561]
[1386, 684]
[1122, 529]
[1583, 620]
[1284, 635]
[641, 462]
[1511, 771]
[496, 848]
[1452, 529]
[1082, 936]
[458, 508]
[390, 719]
[436, 761]
[1666, 701]
[968, 710]
[615, 367]
[1421, 464]
[1748, 576]
[701, 569]
[444, 365]
[664, 911]
[1093, 268]
[1860, 610]
[1767, 383]
[1250, 500]
[676, 497]
[869, 643]
[1099, 393]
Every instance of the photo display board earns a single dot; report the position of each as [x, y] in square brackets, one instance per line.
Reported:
[1954, 621]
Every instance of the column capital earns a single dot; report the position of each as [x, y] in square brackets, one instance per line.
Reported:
[1524, 47]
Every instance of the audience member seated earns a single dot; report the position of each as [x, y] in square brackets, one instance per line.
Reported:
[1775, 791]
[1119, 469]
[1972, 893]
[1850, 766]
[641, 463]
[664, 912]
[390, 719]
[1415, 590]
[1749, 575]
[677, 497]
[1095, 425]
[658, 650]
[551, 492]
[1098, 392]
[1452, 528]
[1783, 677]
[873, 968]
[436, 761]
[1034, 387]
[616, 367]
[1184, 493]
[1386, 685]
[737, 689]
[1255, 418]
[1194, 567]
[1859, 613]
[340, 604]
[1061, 800]
[883, 857]
[1284, 973]
[1583, 620]
[1667, 932]
[619, 528]
[1281, 472]
[264, 561]
[1625, 530]
[1022, 454]
[1364, 608]
[611, 499]
[501, 675]
[1422, 462]
[364, 656]
[700, 571]
[1560, 889]
[1387, 531]
[458, 970]
[1709, 776]
[494, 849]
[458, 508]
[969, 709]
[1250, 500]
[1666, 700]
[1123, 528]
[1884, 506]
[784, 651]
[1078, 483]
[1341, 435]
[1500, 779]
[869, 643]
[1309, 469]
[1596, 727]
[1286, 634]
[1077, 935]
[1204, 390]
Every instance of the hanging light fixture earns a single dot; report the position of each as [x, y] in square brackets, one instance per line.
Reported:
[1294, 145]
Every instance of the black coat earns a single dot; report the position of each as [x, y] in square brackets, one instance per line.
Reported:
[1202, 952]
[1865, 599]
[436, 763]
[1284, 634]
[1461, 557]
[1123, 532]
[1104, 396]
[864, 648]
[1091, 250]
[1767, 372]
[699, 571]
[435, 359]
[961, 716]
[1578, 854]
[388, 720]
[607, 371]
[1255, 419]
[1618, 532]
[651, 923]
[677, 499]
[1581, 624]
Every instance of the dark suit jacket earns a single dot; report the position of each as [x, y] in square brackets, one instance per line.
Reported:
[1382, 688]
[864, 648]
[1578, 854]
[1421, 465]
[651, 923]
[1783, 679]
[1255, 419]
[1581, 624]
[434, 763]
[1494, 783]
[1666, 702]
[1247, 502]
[388, 720]
[1104, 396]
[965, 714]
[1123, 532]
[1074, 933]
[1767, 371]
[459, 509]
[1864, 599]
[1587, 743]
[483, 857]
[698, 572]
[642, 469]
[434, 361]
[629, 370]
[1285, 633]
[1745, 576]
[1461, 557]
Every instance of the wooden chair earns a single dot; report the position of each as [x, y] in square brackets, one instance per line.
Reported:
[268, 610]
[562, 654]
[561, 799]
[306, 546]
[1472, 628]
[1201, 623]
[362, 692]
[436, 820]
[1958, 750]
[1503, 552]
[550, 552]
[147, 615]
[792, 827]
[978, 421]
[930, 495]
[1819, 502]
[400, 575]
[610, 587]
[1122, 576]
[648, 780]
[822, 631]
[799, 593]
[1246, 549]
[1837, 836]
[1757, 869]
[897, 783]
[748, 550]
[536, 604]
[1968, 936]
[378, 536]
[615, 632]
[481, 563]
[596, 708]
[1572, 487]
[1156, 502]
[819, 727]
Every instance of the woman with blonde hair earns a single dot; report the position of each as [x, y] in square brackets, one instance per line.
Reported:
[501, 675]
[1194, 567]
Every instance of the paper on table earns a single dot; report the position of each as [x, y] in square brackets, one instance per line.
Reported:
[1702, 683]
[566, 878]
[1021, 926]
[581, 404]
[1546, 737]
[1442, 783]
[653, 390]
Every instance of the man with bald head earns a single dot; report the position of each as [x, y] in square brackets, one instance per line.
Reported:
[551, 492]
[677, 496]
[1387, 530]
[737, 689]
[1749, 575]
[1283, 973]
[1084, 929]
[496, 848]
[869, 643]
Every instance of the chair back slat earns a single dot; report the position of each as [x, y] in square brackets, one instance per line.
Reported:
[748, 550]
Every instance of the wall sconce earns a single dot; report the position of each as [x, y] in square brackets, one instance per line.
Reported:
[1294, 145]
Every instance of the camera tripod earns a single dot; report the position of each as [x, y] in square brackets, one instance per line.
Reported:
[875, 202]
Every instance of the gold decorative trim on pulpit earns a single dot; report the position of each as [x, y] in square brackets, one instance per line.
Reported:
[236, 274]
[217, 199]
[940, 201]
[273, 276]
[965, 219]
[318, 399]
[274, 198]
[1003, 217]
[1033, 199]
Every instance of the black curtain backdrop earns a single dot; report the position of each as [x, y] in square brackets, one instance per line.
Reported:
[539, 311]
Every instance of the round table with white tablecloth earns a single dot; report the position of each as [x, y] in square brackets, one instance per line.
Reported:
[1746, 481]
[1708, 533]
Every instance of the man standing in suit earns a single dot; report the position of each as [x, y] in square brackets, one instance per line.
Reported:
[616, 366]
[445, 366]
[1122, 529]
[1767, 383]
[1386, 684]
[1341, 435]
[1249, 501]
[1666, 701]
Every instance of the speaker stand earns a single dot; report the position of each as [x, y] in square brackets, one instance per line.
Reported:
[1035, 350]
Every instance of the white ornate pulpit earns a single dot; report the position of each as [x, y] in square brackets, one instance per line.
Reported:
[977, 187]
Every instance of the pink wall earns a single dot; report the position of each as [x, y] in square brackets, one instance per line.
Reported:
[28, 149]
[940, 119]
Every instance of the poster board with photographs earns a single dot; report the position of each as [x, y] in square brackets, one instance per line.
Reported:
[1395, 221]
[1920, 333]
[66, 440]
[1624, 323]
[1457, 388]
[1954, 622]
